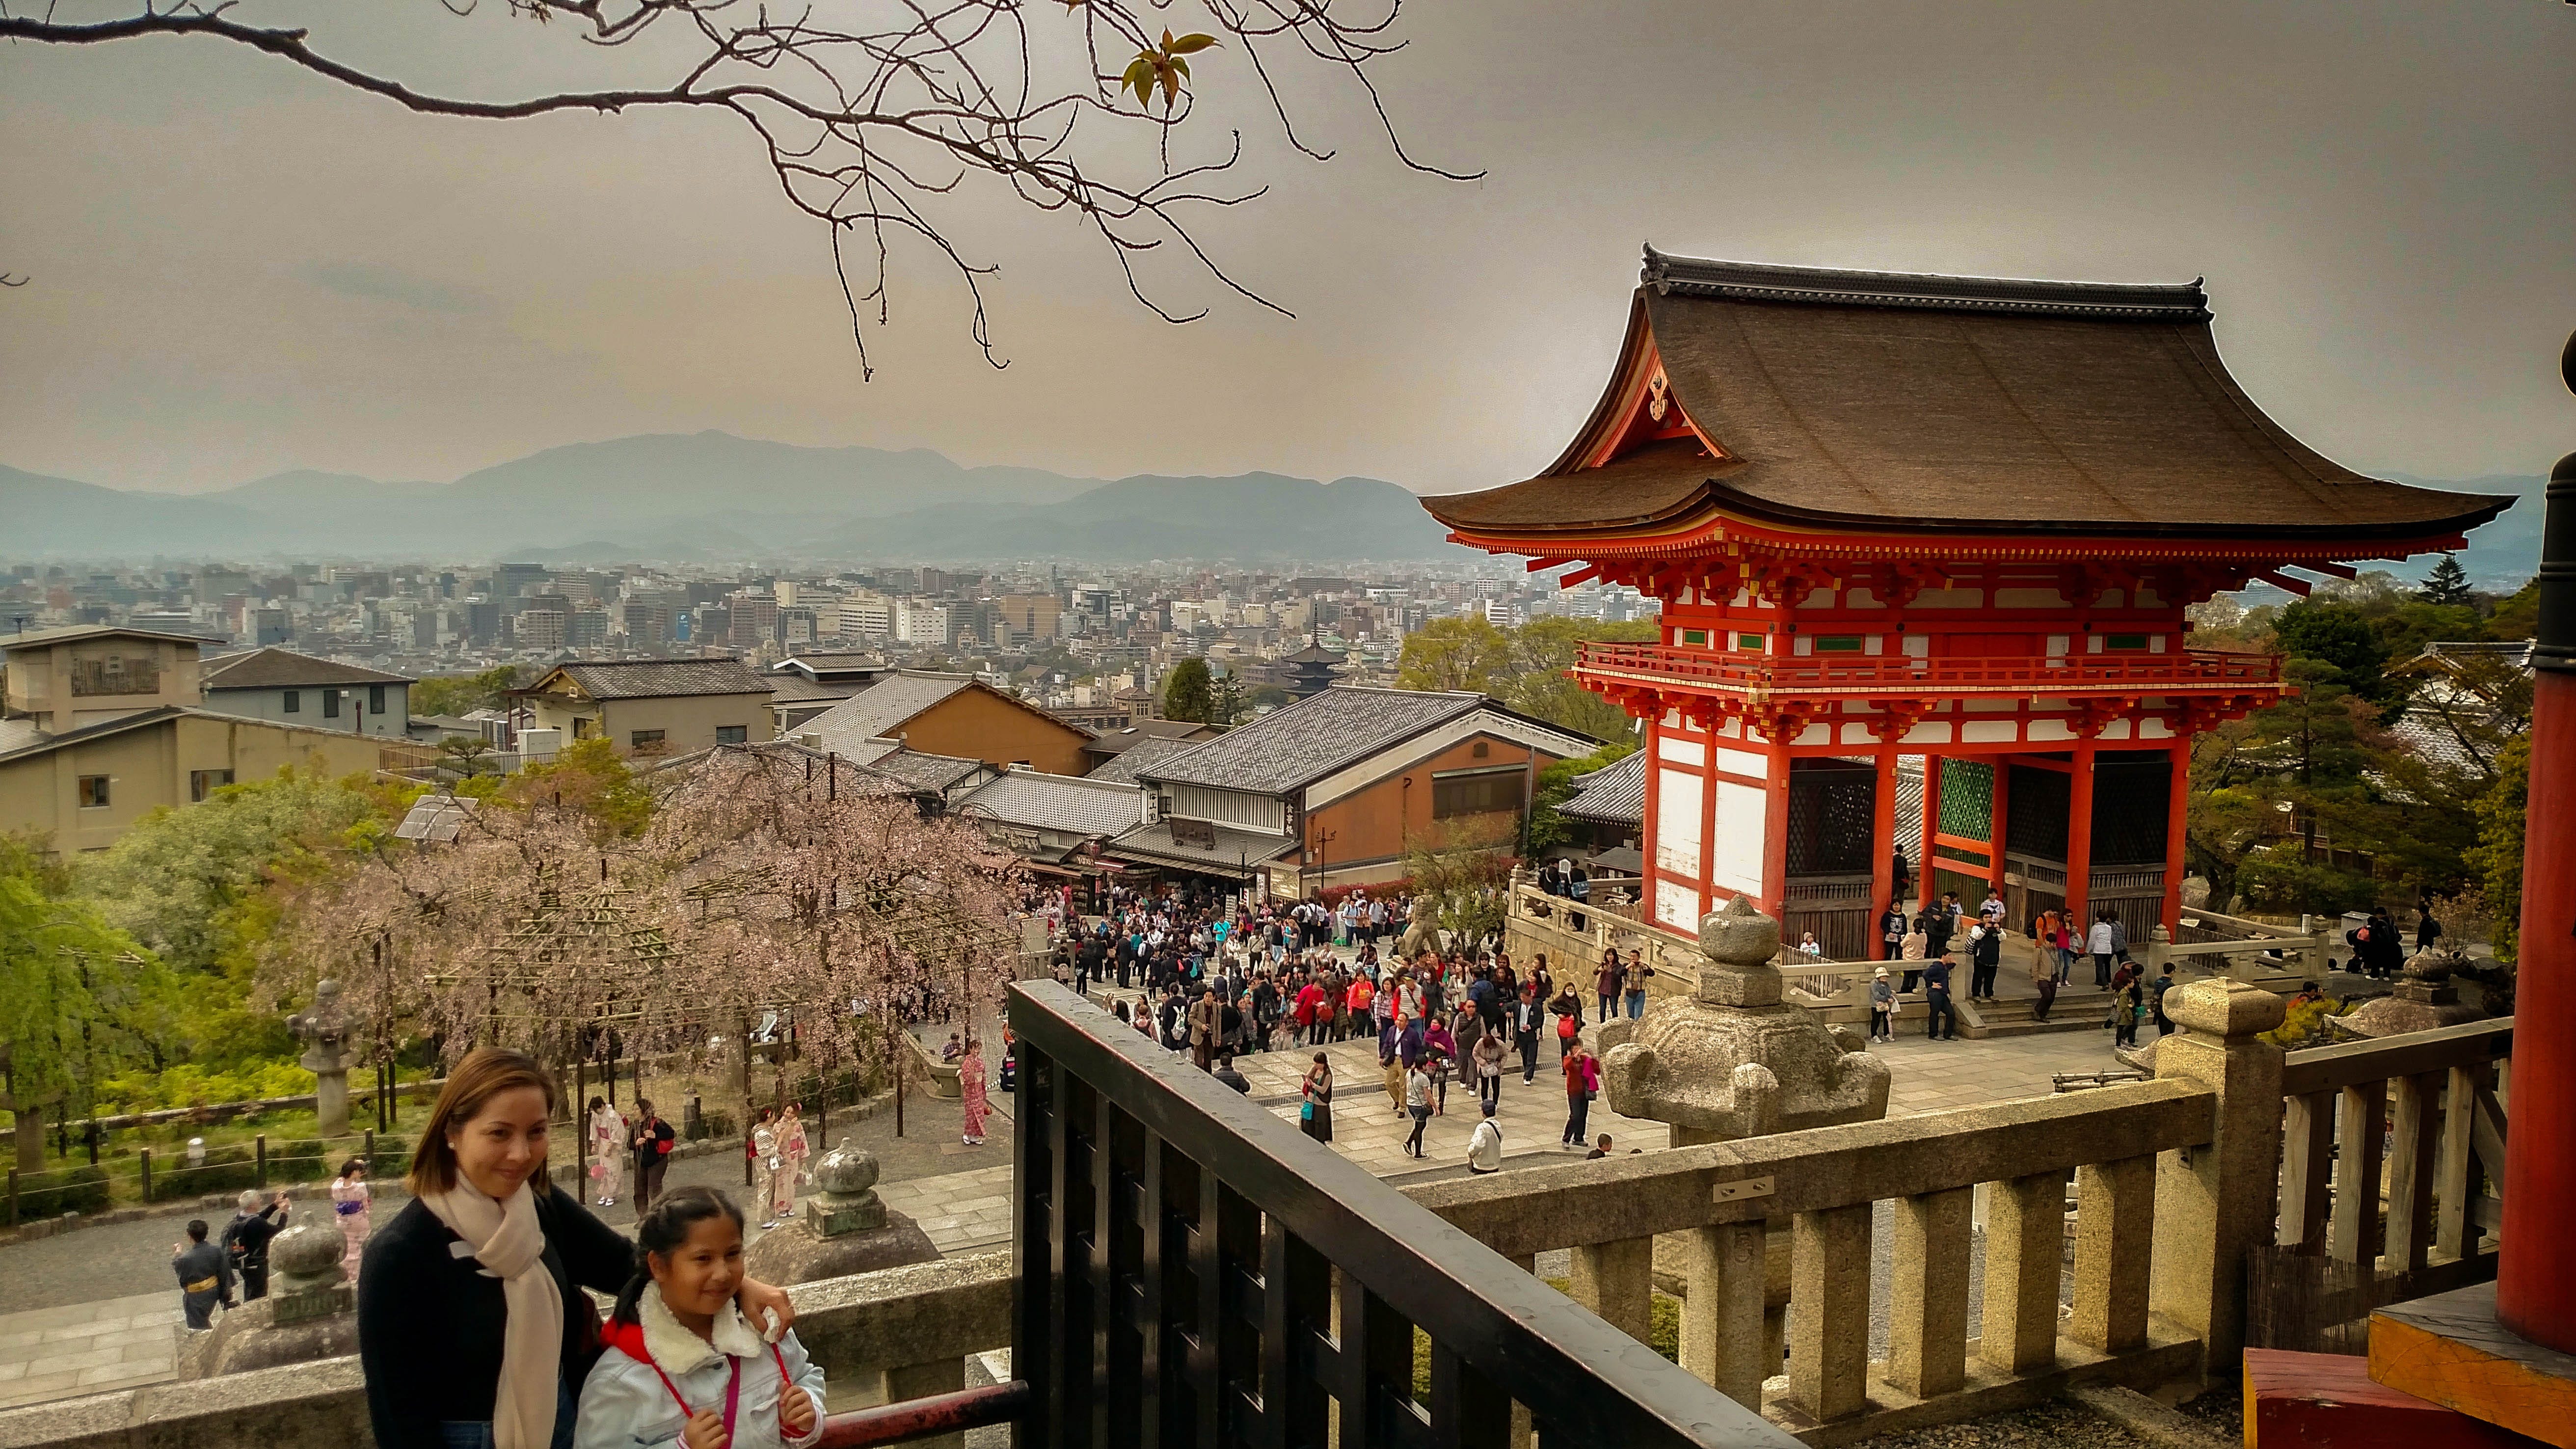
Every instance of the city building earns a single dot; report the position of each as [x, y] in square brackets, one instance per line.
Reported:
[948, 714]
[274, 684]
[652, 706]
[104, 725]
[1333, 789]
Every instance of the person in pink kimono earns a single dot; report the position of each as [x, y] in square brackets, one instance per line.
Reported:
[792, 1152]
[970, 1081]
[349, 1207]
[607, 1151]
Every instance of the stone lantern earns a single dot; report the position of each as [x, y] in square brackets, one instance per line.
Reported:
[846, 1228]
[306, 1317]
[2423, 1000]
[325, 1032]
[1735, 1060]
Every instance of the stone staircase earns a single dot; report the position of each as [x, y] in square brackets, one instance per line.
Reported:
[2079, 1008]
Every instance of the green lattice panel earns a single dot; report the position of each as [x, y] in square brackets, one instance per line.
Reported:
[1967, 798]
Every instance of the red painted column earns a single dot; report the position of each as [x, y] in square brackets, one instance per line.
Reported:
[2536, 1280]
[2079, 838]
[1997, 813]
[1931, 827]
[1882, 846]
[1650, 882]
[2177, 804]
[1775, 830]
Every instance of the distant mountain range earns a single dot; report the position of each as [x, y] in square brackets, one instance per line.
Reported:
[714, 498]
[711, 497]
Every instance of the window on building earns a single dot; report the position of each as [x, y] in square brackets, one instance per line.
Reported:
[1838, 644]
[375, 699]
[732, 734]
[202, 783]
[294, 701]
[93, 792]
[330, 704]
[1694, 636]
[646, 742]
[1749, 641]
[1485, 792]
[2126, 643]
[1482, 749]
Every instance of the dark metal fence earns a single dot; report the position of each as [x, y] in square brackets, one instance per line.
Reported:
[1193, 1271]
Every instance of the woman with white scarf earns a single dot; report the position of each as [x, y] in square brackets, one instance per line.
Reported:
[471, 1328]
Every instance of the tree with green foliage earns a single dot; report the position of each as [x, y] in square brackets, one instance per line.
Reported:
[460, 694]
[1189, 694]
[1460, 652]
[1549, 829]
[1459, 874]
[2337, 634]
[2447, 584]
[587, 777]
[2497, 857]
[1542, 683]
[67, 981]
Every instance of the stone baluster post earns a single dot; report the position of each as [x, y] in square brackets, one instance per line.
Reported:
[1829, 1266]
[2219, 1200]
[2025, 1243]
[1616, 1281]
[1927, 1335]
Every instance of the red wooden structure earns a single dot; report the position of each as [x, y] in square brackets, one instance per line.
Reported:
[1946, 516]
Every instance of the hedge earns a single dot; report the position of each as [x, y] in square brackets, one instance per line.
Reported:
[81, 1189]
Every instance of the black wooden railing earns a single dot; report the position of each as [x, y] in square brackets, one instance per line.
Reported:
[1193, 1271]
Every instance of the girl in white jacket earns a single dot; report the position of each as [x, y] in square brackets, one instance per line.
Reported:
[682, 1368]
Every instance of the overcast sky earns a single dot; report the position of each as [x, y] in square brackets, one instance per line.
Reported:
[239, 268]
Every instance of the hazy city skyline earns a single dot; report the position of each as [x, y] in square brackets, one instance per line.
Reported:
[240, 269]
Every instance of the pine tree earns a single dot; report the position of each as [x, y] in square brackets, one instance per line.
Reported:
[1188, 693]
[2447, 584]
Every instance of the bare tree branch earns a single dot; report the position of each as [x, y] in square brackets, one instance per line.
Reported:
[870, 128]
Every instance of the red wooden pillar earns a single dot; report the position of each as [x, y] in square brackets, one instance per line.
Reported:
[1775, 830]
[2177, 804]
[2536, 1281]
[2079, 838]
[1882, 848]
[1650, 875]
[1931, 827]
[1996, 815]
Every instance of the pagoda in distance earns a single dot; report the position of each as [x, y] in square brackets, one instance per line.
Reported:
[1955, 517]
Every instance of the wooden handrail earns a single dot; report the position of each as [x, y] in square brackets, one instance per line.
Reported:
[2324, 1069]
[2188, 671]
[901, 1423]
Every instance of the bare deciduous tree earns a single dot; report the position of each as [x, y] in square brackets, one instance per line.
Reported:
[874, 114]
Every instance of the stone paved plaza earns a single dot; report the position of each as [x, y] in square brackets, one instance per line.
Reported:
[81, 1322]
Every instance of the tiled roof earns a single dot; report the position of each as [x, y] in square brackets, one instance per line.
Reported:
[1305, 741]
[1234, 850]
[285, 669]
[1876, 401]
[937, 774]
[793, 688]
[1137, 756]
[1059, 802]
[876, 712]
[1136, 732]
[661, 678]
[75, 633]
[1615, 794]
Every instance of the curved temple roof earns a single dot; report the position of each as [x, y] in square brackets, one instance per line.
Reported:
[1843, 400]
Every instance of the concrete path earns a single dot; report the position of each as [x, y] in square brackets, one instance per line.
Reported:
[88, 1348]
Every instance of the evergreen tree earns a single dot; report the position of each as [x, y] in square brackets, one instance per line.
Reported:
[1188, 693]
[2447, 584]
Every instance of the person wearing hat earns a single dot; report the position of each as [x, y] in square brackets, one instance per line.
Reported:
[1882, 1008]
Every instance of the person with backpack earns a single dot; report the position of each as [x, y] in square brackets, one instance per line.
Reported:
[1569, 1021]
[682, 1366]
[246, 1241]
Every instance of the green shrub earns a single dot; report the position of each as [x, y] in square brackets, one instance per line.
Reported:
[2305, 1024]
[312, 1159]
[228, 1168]
[55, 1191]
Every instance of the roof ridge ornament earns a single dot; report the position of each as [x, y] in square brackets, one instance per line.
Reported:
[1768, 282]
